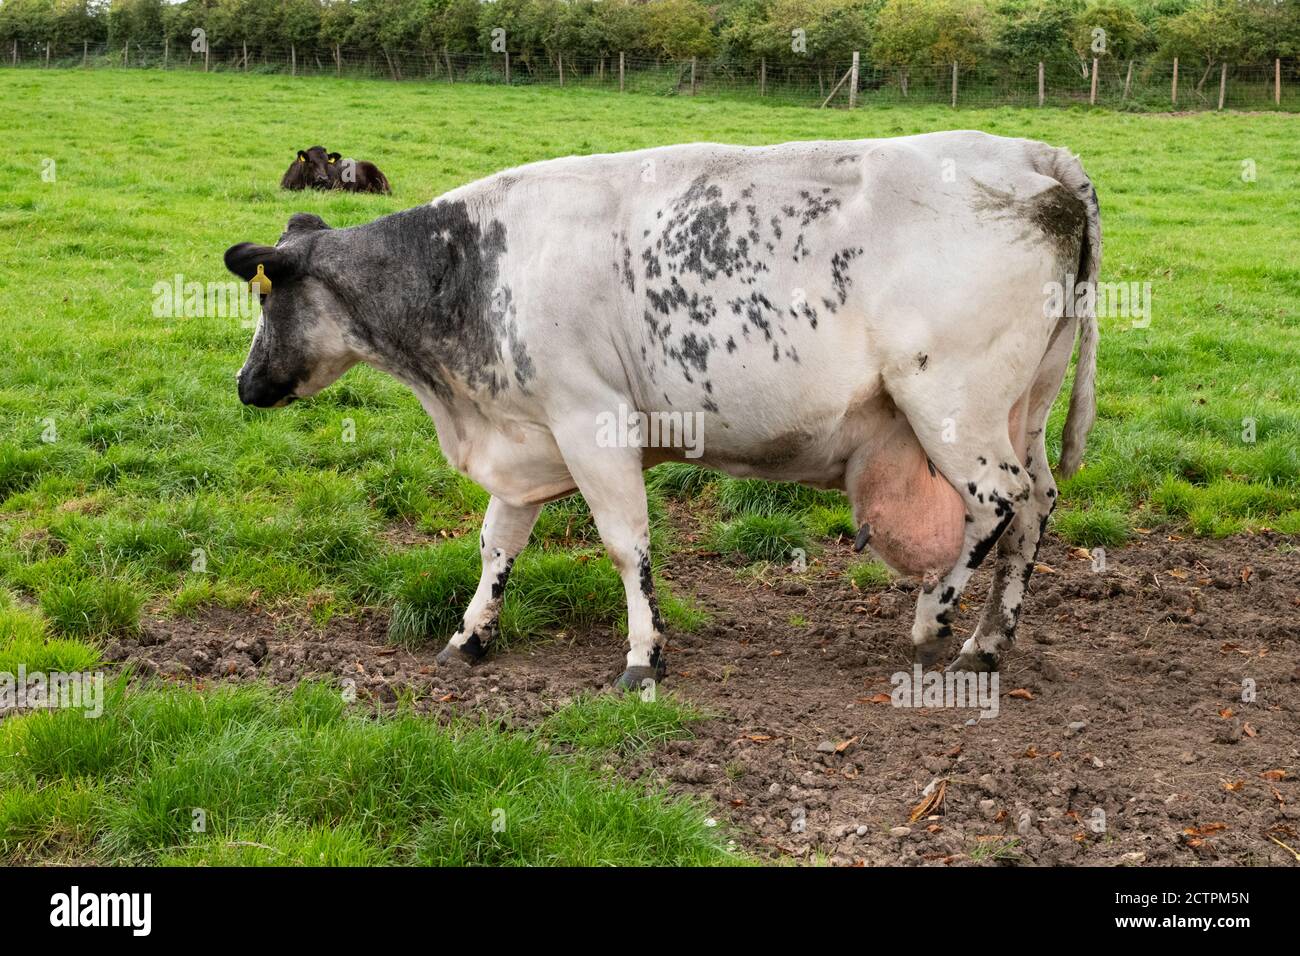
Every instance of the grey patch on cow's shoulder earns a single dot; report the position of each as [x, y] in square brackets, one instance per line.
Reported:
[423, 291]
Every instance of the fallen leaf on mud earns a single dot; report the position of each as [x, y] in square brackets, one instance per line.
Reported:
[1249, 730]
[1177, 573]
[1232, 786]
[1081, 837]
[1002, 815]
[1174, 537]
[1054, 755]
[1044, 569]
[737, 803]
[844, 745]
[933, 828]
[776, 654]
[1275, 775]
[1277, 794]
[758, 738]
[1226, 713]
[1083, 554]
[930, 804]
[1228, 648]
[1246, 572]
[875, 699]
[1142, 530]
[1205, 829]
[1021, 693]
[446, 698]
[1031, 753]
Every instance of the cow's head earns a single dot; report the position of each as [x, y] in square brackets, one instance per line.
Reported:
[317, 167]
[302, 342]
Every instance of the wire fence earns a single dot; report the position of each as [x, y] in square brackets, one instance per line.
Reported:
[1149, 85]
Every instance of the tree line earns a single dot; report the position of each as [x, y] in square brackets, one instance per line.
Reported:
[889, 33]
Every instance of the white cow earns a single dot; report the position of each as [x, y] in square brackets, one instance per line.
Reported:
[879, 316]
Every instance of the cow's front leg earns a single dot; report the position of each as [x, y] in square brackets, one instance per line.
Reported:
[505, 532]
[611, 481]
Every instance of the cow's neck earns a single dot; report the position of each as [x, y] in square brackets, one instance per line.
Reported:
[422, 289]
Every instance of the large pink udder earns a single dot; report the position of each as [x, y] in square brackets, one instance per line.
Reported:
[917, 519]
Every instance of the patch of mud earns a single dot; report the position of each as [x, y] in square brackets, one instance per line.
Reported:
[1124, 697]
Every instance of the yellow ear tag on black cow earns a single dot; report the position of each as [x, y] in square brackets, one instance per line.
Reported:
[301, 160]
[260, 282]
[331, 160]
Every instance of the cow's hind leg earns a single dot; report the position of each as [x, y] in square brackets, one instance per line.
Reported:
[1017, 552]
[966, 438]
[505, 532]
[1018, 548]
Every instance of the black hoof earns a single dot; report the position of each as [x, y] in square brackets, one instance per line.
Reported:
[978, 662]
[864, 537]
[471, 652]
[631, 679]
[929, 655]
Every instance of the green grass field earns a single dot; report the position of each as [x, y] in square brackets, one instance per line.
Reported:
[133, 482]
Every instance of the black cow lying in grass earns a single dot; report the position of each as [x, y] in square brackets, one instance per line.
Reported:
[316, 169]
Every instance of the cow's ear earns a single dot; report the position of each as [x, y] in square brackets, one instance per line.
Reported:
[302, 155]
[335, 157]
[305, 222]
[245, 258]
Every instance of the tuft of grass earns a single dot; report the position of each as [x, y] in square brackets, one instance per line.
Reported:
[754, 496]
[92, 607]
[619, 722]
[677, 479]
[25, 643]
[762, 537]
[1089, 527]
[869, 574]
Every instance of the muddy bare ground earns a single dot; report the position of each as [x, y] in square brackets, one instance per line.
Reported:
[1124, 696]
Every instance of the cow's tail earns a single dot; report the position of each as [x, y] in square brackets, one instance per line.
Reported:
[1083, 396]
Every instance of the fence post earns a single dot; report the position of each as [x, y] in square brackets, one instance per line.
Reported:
[1173, 96]
[762, 77]
[15, 52]
[1092, 96]
[1041, 87]
[47, 54]
[205, 57]
[954, 85]
[1277, 82]
[293, 60]
[507, 52]
[126, 54]
[620, 71]
[561, 59]
[85, 51]
[692, 76]
[853, 82]
[167, 50]
[1128, 80]
[451, 76]
[1223, 83]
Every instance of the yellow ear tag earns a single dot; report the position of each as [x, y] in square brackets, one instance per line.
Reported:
[301, 160]
[260, 282]
[331, 160]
